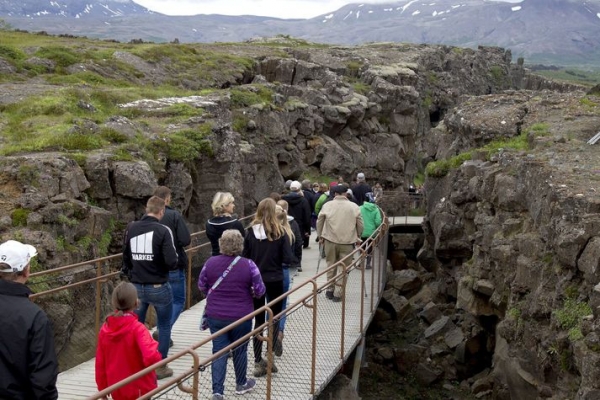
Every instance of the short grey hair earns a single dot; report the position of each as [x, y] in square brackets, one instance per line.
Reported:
[231, 243]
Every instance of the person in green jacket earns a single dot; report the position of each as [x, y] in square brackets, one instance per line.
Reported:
[371, 215]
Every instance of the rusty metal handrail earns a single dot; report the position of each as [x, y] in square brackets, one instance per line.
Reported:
[203, 363]
[378, 246]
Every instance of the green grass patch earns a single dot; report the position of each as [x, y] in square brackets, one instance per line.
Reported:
[569, 317]
[19, 217]
[250, 95]
[440, 168]
[60, 55]
[540, 129]
[587, 102]
[572, 75]
[187, 145]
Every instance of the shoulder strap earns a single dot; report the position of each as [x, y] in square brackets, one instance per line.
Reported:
[218, 282]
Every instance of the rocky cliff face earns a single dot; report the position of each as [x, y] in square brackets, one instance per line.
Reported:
[506, 244]
[510, 259]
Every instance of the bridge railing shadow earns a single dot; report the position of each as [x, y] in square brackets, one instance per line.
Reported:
[320, 334]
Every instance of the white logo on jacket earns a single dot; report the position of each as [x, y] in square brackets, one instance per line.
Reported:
[141, 247]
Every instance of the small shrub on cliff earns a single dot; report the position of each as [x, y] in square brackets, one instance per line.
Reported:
[438, 169]
[250, 96]
[187, 145]
[570, 315]
[19, 217]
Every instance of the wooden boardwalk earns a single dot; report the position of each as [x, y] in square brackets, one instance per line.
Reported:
[293, 381]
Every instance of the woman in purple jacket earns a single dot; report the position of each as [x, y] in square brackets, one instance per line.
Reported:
[229, 301]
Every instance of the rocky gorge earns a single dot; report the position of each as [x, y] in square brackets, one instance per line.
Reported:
[500, 300]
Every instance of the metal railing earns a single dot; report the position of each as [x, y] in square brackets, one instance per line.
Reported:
[67, 293]
[318, 323]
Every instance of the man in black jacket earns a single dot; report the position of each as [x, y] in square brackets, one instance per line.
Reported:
[148, 256]
[28, 365]
[299, 208]
[181, 235]
[361, 189]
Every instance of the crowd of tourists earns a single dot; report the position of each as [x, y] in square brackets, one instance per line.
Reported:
[248, 268]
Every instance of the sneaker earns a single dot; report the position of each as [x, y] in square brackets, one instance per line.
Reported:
[335, 299]
[299, 269]
[329, 295]
[155, 337]
[260, 368]
[217, 396]
[163, 372]
[241, 389]
[278, 347]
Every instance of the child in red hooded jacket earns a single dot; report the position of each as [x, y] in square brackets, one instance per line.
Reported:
[125, 347]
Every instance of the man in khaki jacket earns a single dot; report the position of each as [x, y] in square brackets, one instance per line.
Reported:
[339, 227]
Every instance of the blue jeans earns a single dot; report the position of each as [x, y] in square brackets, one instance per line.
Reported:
[177, 281]
[240, 353]
[286, 286]
[161, 297]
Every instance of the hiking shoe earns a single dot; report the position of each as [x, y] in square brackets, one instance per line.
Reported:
[260, 368]
[241, 389]
[217, 396]
[163, 372]
[155, 337]
[278, 347]
[329, 295]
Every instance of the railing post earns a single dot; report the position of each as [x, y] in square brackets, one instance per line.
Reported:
[314, 338]
[98, 300]
[343, 327]
[188, 282]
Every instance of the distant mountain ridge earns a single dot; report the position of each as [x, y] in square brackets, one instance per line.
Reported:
[565, 32]
[90, 9]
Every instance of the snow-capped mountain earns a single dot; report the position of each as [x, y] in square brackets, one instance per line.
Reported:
[86, 9]
[548, 31]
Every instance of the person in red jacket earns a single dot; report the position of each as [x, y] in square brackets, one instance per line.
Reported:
[125, 347]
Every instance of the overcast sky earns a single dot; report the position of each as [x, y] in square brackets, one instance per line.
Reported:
[271, 8]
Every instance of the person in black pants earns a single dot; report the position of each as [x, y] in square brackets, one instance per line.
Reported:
[299, 208]
[148, 256]
[29, 367]
[267, 244]
[181, 236]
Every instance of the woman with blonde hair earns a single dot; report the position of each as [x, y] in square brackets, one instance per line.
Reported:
[293, 232]
[267, 244]
[223, 205]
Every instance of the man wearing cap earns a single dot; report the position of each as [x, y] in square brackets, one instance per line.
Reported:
[361, 189]
[28, 365]
[299, 208]
[339, 227]
[148, 256]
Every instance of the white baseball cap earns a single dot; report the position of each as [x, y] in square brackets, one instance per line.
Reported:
[295, 186]
[16, 255]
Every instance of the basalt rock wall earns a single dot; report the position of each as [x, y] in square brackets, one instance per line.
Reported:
[330, 111]
[506, 292]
